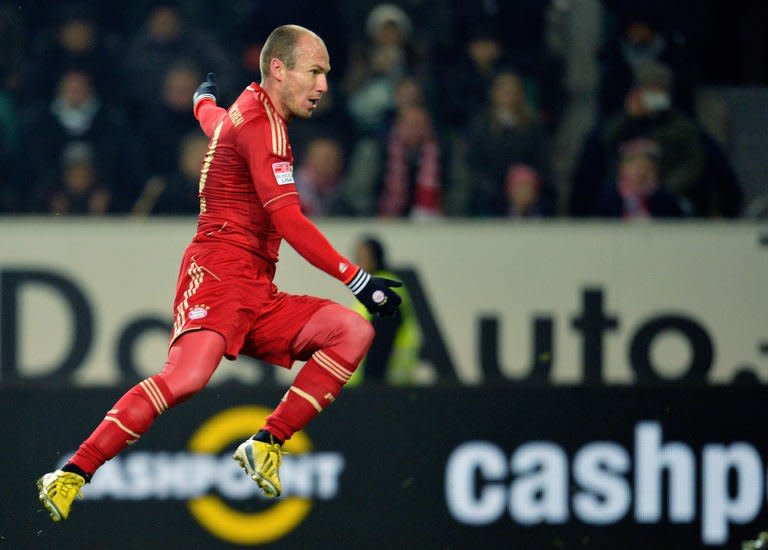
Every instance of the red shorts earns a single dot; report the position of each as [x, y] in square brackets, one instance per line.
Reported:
[229, 290]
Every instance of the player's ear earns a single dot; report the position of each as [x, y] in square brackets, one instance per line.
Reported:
[277, 68]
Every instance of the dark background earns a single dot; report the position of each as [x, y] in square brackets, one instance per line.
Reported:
[396, 443]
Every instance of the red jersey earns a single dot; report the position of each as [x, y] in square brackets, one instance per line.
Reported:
[247, 174]
[247, 177]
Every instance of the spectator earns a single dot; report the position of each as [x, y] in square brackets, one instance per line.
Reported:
[649, 113]
[683, 162]
[167, 119]
[361, 186]
[525, 31]
[507, 132]
[642, 40]
[319, 176]
[394, 354]
[433, 20]
[471, 78]
[521, 25]
[409, 92]
[76, 42]
[638, 193]
[412, 185]
[525, 197]
[165, 40]
[376, 67]
[176, 192]
[76, 115]
[81, 190]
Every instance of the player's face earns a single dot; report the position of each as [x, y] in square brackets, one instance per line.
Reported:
[306, 82]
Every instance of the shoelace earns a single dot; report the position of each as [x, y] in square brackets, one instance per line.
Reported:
[274, 447]
[273, 452]
[272, 461]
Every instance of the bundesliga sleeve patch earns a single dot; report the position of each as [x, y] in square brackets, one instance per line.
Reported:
[283, 172]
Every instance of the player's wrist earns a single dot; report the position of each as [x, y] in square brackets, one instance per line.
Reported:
[202, 97]
[205, 92]
[358, 281]
[199, 103]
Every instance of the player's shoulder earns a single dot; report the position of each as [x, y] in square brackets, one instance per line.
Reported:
[247, 108]
[254, 109]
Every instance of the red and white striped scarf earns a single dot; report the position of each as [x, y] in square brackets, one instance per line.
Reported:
[426, 196]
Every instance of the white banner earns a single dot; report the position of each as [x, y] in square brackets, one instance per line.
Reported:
[556, 302]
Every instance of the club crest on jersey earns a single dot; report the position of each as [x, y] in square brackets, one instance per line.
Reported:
[283, 172]
[198, 312]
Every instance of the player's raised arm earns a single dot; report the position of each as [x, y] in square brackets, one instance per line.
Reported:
[204, 105]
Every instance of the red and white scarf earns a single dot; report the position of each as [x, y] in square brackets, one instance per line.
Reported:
[426, 196]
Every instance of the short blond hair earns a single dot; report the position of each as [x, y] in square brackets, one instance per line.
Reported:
[281, 44]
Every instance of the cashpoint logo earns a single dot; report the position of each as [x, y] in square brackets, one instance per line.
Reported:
[213, 484]
[604, 482]
[213, 513]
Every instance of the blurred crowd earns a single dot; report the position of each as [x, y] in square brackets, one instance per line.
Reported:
[436, 108]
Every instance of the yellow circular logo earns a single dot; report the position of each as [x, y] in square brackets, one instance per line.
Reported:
[214, 514]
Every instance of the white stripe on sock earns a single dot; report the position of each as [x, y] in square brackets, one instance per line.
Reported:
[305, 395]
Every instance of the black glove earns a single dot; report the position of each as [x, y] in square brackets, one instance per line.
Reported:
[206, 90]
[375, 293]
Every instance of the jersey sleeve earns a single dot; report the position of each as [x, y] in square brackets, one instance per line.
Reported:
[208, 115]
[264, 146]
[307, 240]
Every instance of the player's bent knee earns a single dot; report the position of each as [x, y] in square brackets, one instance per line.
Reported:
[356, 336]
[354, 328]
[365, 332]
[338, 330]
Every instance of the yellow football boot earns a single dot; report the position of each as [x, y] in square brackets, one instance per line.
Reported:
[57, 492]
[261, 462]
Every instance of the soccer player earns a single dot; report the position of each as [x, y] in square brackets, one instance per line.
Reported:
[226, 302]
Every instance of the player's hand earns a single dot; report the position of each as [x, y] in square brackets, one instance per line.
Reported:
[375, 293]
[206, 90]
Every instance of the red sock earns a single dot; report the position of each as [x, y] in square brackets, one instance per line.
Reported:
[130, 417]
[315, 387]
